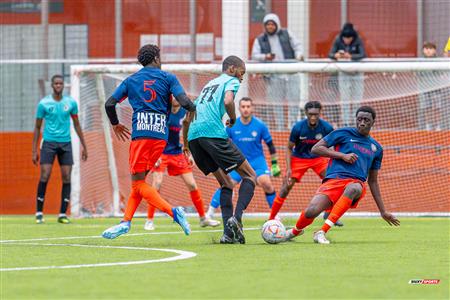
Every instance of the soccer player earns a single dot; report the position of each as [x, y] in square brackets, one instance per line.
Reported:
[214, 152]
[247, 134]
[56, 110]
[177, 164]
[299, 159]
[356, 157]
[149, 92]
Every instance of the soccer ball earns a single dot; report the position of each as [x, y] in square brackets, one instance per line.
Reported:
[273, 232]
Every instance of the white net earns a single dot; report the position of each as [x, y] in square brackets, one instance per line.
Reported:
[413, 125]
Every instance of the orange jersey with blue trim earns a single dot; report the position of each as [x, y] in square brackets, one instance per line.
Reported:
[349, 140]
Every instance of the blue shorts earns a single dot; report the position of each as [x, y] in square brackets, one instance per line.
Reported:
[258, 164]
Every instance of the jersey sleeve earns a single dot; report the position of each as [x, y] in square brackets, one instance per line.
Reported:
[334, 138]
[265, 134]
[40, 111]
[74, 110]
[328, 129]
[376, 164]
[175, 87]
[295, 133]
[232, 85]
[121, 92]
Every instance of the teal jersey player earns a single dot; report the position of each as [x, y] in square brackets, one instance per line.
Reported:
[56, 115]
[211, 108]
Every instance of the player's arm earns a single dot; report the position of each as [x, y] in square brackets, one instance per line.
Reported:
[290, 148]
[76, 125]
[375, 190]
[274, 159]
[185, 130]
[185, 102]
[36, 135]
[230, 107]
[121, 132]
[321, 148]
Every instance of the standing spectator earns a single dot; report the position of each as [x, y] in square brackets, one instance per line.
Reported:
[349, 46]
[277, 44]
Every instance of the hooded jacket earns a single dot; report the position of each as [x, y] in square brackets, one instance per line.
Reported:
[356, 48]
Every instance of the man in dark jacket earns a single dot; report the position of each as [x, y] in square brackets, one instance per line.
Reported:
[349, 46]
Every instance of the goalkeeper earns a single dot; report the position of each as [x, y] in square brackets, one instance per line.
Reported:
[247, 134]
[304, 135]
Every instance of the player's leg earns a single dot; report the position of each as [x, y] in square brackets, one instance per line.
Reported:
[266, 184]
[157, 179]
[47, 156]
[197, 200]
[65, 159]
[215, 200]
[226, 204]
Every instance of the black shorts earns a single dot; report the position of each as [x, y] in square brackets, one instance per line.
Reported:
[51, 149]
[211, 154]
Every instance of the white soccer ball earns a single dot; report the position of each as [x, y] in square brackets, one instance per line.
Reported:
[273, 232]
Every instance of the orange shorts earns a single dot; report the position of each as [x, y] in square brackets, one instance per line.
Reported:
[299, 166]
[144, 153]
[176, 164]
[334, 188]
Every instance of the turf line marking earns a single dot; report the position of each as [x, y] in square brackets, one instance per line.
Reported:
[125, 235]
[181, 255]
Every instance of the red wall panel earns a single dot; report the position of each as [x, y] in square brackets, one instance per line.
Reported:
[325, 20]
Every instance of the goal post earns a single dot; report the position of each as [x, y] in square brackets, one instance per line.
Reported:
[411, 97]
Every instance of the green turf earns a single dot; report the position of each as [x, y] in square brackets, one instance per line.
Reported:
[367, 259]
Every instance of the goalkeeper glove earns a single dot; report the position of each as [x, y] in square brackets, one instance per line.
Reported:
[276, 171]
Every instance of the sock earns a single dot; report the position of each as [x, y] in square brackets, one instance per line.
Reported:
[133, 201]
[339, 209]
[42, 187]
[65, 198]
[226, 206]
[246, 192]
[151, 212]
[269, 198]
[302, 222]
[196, 198]
[215, 201]
[276, 206]
[211, 210]
[151, 195]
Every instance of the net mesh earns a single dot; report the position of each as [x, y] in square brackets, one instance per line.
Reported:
[412, 124]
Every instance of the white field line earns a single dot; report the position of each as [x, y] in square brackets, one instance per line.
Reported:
[125, 235]
[181, 255]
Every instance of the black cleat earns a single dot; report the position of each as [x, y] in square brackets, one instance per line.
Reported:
[338, 223]
[236, 227]
[225, 239]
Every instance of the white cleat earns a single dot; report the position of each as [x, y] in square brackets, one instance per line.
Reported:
[319, 237]
[205, 221]
[149, 225]
[290, 235]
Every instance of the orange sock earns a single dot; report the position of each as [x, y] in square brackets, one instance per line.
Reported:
[276, 206]
[339, 209]
[151, 195]
[133, 201]
[302, 222]
[151, 212]
[198, 202]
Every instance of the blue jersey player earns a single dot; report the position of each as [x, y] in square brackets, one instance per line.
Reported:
[149, 93]
[213, 152]
[247, 134]
[355, 159]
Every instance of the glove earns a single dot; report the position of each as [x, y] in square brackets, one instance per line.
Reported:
[276, 171]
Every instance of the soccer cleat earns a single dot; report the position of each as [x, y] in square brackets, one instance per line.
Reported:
[319, 237]
[236, 228]
[205, 221]
[117, 230]
[149, 225]
[338, 223]
[225, 239]
[291, 235]
[63, 220]
[40, 219]
[180, 218]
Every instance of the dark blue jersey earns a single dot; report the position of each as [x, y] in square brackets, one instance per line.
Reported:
[305, 137]
[175, 123]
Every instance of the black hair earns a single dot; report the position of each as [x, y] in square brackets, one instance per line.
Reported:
[56, 76]
[312, 104]
[246, 99]
[231, 60]
[148, 54]
[367, 109]
[348, 31]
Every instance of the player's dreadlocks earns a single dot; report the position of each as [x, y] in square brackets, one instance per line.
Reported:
[147, 54]
[313, 104]
[231, 61]
[368, 109]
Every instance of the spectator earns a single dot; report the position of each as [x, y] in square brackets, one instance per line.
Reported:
[447, 49]
[277, 44]
[348, 46]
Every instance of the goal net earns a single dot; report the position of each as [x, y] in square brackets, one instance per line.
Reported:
[411, 98]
